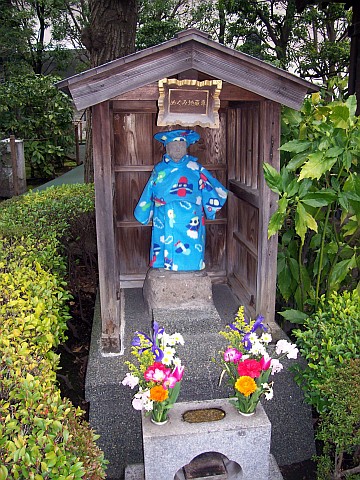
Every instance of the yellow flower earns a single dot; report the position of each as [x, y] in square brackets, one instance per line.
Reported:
[245, 385]
[158, 393]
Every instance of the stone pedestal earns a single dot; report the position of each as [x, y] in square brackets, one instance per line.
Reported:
[243, 443]
[164, 289]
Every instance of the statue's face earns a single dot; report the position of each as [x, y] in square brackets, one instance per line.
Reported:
[176, 150]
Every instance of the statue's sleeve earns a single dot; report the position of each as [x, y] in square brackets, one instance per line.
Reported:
[145, 208]
[214, 194]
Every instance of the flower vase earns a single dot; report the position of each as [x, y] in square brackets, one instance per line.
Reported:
[156, 422]
[246, 414]
[159, 414]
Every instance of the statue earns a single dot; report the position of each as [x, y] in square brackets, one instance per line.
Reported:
[177, 197]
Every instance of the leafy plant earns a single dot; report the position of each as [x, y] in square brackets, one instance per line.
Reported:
[33, 109]
[328, 338]
[339, 427]
[318, 213]
[42, 436]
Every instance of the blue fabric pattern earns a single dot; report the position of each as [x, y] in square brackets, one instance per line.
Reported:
[177, 198]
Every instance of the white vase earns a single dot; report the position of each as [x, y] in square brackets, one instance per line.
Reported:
[246, 414]
[158, 423]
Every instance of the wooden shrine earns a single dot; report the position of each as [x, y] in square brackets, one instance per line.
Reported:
[124, 98]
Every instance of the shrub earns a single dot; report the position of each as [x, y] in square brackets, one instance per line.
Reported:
[339, 427]
[328, 338]
[330, 342]
[33, 109]
[318, 213]
[42, 436]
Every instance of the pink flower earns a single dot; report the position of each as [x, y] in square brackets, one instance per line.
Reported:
[265, 362]
[157, 372]
[250, 368]
[174, 377]
[232, 355]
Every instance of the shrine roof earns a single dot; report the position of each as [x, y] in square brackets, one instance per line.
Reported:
[190, 50]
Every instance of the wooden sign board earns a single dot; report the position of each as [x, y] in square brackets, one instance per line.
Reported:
[189, 102]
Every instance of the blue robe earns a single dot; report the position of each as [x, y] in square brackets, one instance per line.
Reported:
[177, 198]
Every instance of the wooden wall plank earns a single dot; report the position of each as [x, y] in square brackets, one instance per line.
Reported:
[269, 134]
[131, 146]
[104, 208]
[151, 92]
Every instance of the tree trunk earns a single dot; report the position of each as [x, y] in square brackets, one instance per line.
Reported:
[111, 35]
[354, 69]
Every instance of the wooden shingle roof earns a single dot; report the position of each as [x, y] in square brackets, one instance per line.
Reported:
[190, 49]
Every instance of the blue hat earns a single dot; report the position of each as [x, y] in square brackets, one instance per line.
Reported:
[188, 136]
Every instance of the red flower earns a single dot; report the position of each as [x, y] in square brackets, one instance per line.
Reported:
[157, 372]
[249, 367]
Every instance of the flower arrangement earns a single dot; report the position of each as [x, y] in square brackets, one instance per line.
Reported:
[247, 363]
[157, 373]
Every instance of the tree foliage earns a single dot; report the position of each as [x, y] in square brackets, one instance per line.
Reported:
[318, 212]
[33, 109]
[313, 44]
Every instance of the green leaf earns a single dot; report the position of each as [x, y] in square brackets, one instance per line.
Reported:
[275, 223]
[277, 219]
[303, 221]
[351, 103]
[297, 161]
[295, 146]
[334, 152]
[273, 178]
[3, 472]
[294, 316]
[340, 271]
[284, 282]
[316, 166]
[340, 116]
[319, 199]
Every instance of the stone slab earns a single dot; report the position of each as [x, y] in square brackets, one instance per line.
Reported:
[119, 425]
[137, 471]
[172, 290]
[243, 440]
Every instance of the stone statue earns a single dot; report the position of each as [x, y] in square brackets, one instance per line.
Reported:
[177, 197]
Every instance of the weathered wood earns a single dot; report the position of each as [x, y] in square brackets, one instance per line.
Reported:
[245, 193]
[190, 51]
[14, 163]
[151, 92]
[269, 134]
[104, 208]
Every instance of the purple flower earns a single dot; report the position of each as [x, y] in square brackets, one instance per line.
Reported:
[152, 342]
[259, 324]
[232, 355]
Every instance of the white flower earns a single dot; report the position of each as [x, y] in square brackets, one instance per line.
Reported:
[283, 346]
[257, 349]
[266, 338]
[293, 352]
[178, 338]
[253, 338]
[148, 405]
[141, 399]
[276, 366]
[269, 392]
[177, 362]
[168, 357]
[130, 380]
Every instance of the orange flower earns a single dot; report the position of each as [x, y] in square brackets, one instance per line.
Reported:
[158, 393]
[245, 385]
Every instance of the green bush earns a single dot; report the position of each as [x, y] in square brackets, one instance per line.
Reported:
[328, 338]
[33, 109]
[330, 342]
[339, 428]
[318, 215]
[42, 436]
